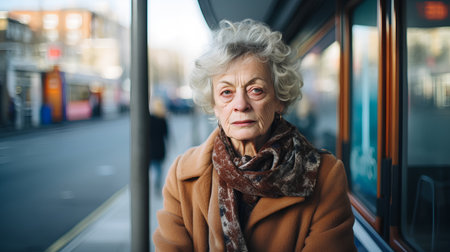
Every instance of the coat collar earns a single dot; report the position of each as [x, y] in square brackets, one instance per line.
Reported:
[197, 160]
[197, 164]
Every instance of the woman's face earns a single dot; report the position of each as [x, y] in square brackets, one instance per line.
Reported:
[244, 100]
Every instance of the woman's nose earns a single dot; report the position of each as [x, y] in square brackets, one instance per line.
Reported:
[240, 102]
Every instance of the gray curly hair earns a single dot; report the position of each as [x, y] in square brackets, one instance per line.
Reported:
[233, 40]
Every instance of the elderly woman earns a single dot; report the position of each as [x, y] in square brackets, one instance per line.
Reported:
[256, 184]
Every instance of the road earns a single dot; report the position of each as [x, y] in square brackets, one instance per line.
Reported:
[51, 179]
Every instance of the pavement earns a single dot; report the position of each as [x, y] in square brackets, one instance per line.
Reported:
[108, 228]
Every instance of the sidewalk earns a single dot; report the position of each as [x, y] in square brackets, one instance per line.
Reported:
[108, 228]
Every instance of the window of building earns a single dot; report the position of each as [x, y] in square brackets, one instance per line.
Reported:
[364, 96]
[426, 166]
[51, 21]
[73, 21]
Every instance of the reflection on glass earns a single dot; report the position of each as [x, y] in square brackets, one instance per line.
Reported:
[320, 69]
[426, 174]
[429, 96]
[363, 153]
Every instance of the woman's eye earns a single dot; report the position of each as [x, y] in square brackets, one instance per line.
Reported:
[226, 92]
[256, 91]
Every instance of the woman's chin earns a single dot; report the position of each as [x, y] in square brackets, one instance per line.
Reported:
[245, 135]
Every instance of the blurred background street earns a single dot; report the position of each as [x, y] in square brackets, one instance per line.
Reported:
[51, 179]
[64, 116]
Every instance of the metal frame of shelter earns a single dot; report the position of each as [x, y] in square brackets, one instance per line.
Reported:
[139, 116]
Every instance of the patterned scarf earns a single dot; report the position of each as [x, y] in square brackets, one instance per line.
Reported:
[286, 165]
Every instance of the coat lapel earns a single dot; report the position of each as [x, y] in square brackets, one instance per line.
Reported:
[206, 191]
[198, 166]
[202, 192]
[214, 222]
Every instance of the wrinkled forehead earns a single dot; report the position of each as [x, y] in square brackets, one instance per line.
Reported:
[246, 65]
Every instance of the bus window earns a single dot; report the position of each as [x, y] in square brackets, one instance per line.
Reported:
[426, 166]
[364, 95]
[320, 71]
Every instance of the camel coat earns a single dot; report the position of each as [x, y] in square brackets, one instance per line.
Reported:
[190, 219]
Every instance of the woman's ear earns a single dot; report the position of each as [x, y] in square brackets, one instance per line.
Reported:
[281, 107]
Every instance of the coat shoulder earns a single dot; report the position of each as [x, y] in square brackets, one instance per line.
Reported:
[331, 170]
[328, 162]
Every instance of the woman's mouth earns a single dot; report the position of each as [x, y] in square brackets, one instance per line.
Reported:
[244, 122]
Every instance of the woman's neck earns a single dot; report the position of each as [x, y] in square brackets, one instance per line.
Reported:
[248, 148]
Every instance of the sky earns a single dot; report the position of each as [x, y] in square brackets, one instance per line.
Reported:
[177, 24]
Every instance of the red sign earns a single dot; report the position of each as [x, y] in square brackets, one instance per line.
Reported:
[433, 10]
[54, 52]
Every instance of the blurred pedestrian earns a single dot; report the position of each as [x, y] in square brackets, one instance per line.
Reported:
[158, 136]
[12, 111]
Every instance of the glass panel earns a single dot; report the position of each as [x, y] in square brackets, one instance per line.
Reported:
[426, 180]
[364, 94]
[320, 69]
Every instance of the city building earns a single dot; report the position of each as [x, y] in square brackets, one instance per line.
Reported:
[87, 50]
